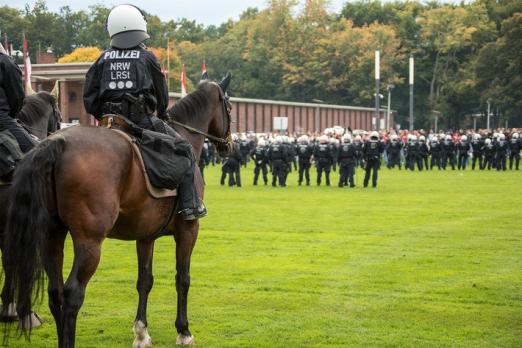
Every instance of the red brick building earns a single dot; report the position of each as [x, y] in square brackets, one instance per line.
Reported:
[254, 115]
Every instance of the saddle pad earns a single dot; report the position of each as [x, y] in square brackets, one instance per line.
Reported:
[153, 191]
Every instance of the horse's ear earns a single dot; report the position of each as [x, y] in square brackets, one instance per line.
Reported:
[225, 82]
[56, 90]
[29, 89]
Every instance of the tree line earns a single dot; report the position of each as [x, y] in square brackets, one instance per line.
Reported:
[465, 54]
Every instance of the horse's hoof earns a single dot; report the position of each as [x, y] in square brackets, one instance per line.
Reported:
[31, 321]
[8, 315]
[141, 336]
[182, 340]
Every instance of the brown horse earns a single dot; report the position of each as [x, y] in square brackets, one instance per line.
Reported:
[88, 181]
[40, 116]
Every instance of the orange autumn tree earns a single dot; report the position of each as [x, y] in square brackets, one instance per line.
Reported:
[81, 54]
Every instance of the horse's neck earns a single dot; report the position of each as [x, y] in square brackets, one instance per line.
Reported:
[196, 140]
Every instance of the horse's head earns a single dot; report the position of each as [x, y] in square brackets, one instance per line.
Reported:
[221, 119]
[40, 114]
[207, 112]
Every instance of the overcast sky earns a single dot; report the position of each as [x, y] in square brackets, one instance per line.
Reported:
[203, 11]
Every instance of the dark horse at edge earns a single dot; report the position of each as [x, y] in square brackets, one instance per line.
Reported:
[40, 116]
[87, 181]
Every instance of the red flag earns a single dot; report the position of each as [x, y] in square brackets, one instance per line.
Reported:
[27, 65]
[183, 82]
[204, 74]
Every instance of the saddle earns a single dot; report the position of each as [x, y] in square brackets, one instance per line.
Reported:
[162, 157]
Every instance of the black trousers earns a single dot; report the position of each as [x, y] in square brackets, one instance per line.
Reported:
[279, 173]
[501, 163]
[23, 138]
[474, 161]
[304, 170]
[516, 158]
[393, 160]
[346, 171]
[321, 167]
[371, 165]
[435, 161]
[260, 168]
[463, 159]
[187, 194]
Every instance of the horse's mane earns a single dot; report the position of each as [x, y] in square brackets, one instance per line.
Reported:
[193, 105]
[33, 106]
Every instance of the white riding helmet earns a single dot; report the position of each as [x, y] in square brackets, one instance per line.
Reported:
[488, 141]
[127, 26]
[477, 136]
[374, 134]
[464, 138]
[394, 137]
[413, 138]
[323, 139]
[261, 142]
[515, 135]
[278, 139]
[502, 137]
[422, 138]
[347, 138]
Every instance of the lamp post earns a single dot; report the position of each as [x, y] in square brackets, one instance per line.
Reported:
[489, 114]
[411, 92]
[437, 113]
[389, 88]
[377, 87]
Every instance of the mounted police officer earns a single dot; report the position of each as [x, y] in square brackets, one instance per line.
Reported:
[323, 159]
[347, 158]
[372, 151]
[304, 155]
[127, 80]
[11, 100]
[260, 157]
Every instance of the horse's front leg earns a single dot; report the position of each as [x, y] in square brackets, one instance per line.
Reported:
[185, 236]
[145, 250]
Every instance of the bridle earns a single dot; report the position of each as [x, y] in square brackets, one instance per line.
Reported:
[56, 116]
[227, 109]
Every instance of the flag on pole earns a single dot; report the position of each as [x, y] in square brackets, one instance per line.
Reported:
[27, 65]
[6, 45]
[204, 74]
[183, 81]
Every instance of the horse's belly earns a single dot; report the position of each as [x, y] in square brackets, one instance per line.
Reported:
[141, 224]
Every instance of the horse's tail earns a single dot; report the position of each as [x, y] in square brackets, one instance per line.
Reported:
[28, 221]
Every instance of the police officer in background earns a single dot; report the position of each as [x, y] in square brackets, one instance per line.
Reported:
[277, 154]
[244, 148]
[501, 150]
[347, 158]
[11, 100]
[462, 149]
[448, 152]
[233, 163]
[435, 151]
[126, 79]
[489, 154]
[424, 151]
[514, 151]
[372, 151]
[393, 151]
[304, 155]
[323, 159]
[204, 159]
[477, 149]
[260, 157]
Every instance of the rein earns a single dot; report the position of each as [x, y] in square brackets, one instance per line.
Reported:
[197, 131]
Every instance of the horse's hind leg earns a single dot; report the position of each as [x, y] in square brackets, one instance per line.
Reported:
[145, 250]
[86, 258]
[54, 270]
[186, 235]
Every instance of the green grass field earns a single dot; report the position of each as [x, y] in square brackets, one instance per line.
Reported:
[427, 259]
